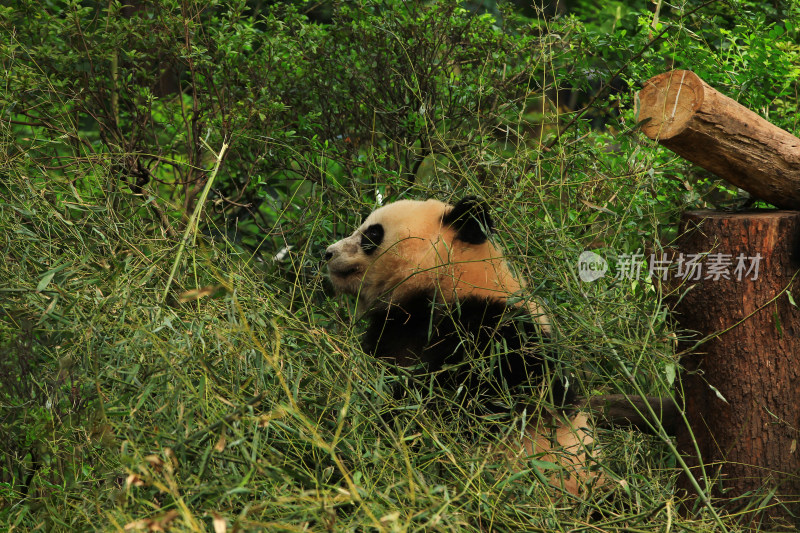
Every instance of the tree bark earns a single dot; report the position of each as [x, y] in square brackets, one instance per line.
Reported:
[741, 389]
[715, 132]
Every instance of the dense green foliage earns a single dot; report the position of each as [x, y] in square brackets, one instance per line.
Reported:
[172, 170]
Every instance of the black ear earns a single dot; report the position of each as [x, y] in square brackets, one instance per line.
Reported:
[470, 218]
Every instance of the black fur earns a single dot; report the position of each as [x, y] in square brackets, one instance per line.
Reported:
[483, 346]
[470, 218]
[371, 238]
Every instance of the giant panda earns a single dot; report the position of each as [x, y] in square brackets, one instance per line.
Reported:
[437, 294]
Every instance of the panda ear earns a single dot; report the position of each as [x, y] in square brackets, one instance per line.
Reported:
[470, 219]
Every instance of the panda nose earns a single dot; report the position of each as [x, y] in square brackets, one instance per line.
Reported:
[328, 254]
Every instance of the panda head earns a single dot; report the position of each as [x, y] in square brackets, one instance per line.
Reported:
[409, 247]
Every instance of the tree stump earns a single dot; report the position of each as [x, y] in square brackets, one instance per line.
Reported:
[715, 132]
[741, 389]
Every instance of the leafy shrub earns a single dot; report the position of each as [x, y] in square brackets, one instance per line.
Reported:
[164, 374]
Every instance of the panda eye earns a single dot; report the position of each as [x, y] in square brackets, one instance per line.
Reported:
[371, 238]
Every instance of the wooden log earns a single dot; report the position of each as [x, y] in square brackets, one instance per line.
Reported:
[715, 132]
[741, 389]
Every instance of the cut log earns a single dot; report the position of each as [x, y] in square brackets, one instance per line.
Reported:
[715, 132]
[741, 389]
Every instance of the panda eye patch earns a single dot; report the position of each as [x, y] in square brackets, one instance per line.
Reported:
[371, 238]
